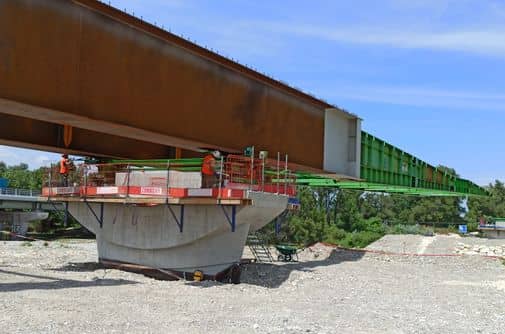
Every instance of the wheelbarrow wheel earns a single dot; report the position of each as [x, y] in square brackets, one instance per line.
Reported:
[288, 258]
[280, 257]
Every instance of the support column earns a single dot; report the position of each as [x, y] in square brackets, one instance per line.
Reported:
[19, 221]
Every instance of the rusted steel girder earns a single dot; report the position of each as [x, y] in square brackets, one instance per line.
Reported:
[85, 60]
[39, 135]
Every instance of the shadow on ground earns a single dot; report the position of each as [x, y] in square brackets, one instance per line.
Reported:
[273, 275]
[80, 267]
[54, 283]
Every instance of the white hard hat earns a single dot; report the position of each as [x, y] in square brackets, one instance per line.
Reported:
[216, 154]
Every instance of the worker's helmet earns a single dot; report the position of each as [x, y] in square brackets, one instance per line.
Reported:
[216, 154]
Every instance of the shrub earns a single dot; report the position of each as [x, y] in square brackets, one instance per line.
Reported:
[473, 227]
[333, 234]
[452, 229]
[410, 229]
[360, 239]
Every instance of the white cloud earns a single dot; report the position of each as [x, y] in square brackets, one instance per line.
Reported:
[159, 5]
[14, 156]
[416, 96]
[409, 24]
[43, 160]
[490, 41]
[239, 40]
[7, 153]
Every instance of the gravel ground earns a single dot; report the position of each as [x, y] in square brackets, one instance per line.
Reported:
[59, 288]
[438, 244]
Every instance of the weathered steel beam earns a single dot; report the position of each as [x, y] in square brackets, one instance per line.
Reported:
[35, 134]
[57, 117]
[85, 60]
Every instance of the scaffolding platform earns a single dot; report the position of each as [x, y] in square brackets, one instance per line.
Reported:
[151, 200]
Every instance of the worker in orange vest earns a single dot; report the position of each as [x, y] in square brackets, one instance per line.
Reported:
[209, 174]
[65, 165]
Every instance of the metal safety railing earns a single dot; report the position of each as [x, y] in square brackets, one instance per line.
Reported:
[19, 192]
[266, 175]
[171, 178]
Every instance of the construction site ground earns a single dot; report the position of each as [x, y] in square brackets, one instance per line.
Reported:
[58, 287]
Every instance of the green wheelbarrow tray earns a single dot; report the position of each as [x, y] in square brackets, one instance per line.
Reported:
[286, 252]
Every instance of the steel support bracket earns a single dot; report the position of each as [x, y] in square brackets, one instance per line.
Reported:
[99, 219]
[232, 219]
[179, 221]
[65, 217]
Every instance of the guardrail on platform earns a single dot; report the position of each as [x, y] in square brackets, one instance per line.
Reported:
[19, 192]
[172, 178]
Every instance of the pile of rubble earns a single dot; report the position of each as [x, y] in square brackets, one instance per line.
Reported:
[318, 251]
[466, 249]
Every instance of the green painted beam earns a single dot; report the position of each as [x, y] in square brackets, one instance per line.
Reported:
[383, 163]
[376, 187]
[185, 161]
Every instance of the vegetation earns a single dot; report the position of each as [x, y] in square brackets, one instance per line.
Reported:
[20, 176]
[353, 218]
[488, 207]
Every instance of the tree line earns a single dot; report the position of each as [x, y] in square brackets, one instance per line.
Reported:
[21, 177]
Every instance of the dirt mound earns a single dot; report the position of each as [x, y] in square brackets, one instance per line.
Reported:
[318, 251]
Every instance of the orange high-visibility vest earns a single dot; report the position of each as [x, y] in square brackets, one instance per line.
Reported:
[208, 165]
[63, 166]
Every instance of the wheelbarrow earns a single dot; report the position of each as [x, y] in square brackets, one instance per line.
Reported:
[286, 253]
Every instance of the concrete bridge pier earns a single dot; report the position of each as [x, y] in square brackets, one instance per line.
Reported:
[19, 221]
[185, 238]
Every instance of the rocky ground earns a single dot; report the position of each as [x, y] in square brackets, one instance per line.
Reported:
[480, 249]
[59, 288]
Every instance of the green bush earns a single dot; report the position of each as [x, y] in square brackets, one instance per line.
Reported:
[360, 239]
[452, 229]
[374, 225]
[410, 229]
[303, 230]
[334, 235]
[472, 227]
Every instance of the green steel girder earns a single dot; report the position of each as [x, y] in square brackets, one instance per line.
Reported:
[377, 187]
[385, 164]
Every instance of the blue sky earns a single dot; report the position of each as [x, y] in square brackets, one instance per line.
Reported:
[425, 75]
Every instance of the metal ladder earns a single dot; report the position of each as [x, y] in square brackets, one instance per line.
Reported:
[259, 249]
